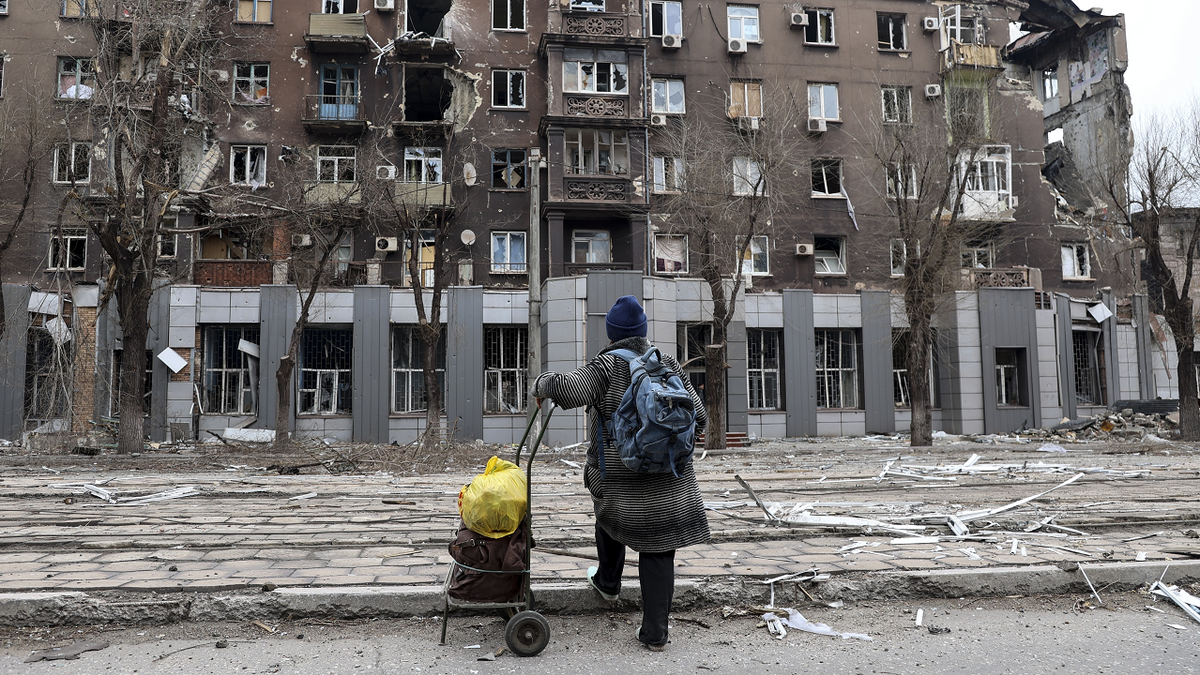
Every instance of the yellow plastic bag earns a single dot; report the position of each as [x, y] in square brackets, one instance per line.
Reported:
[493, 504]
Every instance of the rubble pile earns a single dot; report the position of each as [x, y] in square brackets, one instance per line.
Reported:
[1125, 425]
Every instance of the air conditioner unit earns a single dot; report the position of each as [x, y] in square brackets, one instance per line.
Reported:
[929, 23]
[817, 126]
[672, 41]
[933, 90]
[748, 123]
[386, 5]
[658, 120]
[301, 240]
[737, 46]
[385, 172]
[804, 249]
[799, 19]
[386, 244]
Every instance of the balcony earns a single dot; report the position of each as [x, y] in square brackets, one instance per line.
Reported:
[337, 34]
[231, 273]
[590, 105]
[333, 114]
[971, 56]
[1006, 277]
[608, 189]
[427, 195]
[580, 269]
[332, 193]
[595, 24]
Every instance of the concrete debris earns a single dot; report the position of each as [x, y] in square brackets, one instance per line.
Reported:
[1112, 425]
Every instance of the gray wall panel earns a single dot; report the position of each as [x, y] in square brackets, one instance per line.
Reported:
[950, 396]
[277, 319]
[737, 394]
[603, 289]
[799, 363]
[12, 367]
[1007, 319]
[371, 366]
[464, 361]
[156, 341]
[1145, 347]
[878, 397]
[1066, 357]
[1112, 355]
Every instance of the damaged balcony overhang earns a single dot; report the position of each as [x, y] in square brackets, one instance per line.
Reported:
[1043, 15]
[424, 45]
[337, 34]
[593, 40]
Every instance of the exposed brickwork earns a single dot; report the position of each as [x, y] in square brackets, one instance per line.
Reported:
[83, 395]
[184, 375]
[233, 272]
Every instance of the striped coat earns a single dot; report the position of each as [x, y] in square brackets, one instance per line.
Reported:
[650, 513]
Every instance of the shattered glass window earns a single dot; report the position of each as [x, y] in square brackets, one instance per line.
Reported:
[325, 362]
[505, 369]
[227, 378]
[891, 32]
[666, 18]
[508, 88]
[667, 97]
[251, 83]
[819, 30]
[508, 169]
[508, 252]
[837, 368]
[248, 165]
[408, 369]
[423, 165]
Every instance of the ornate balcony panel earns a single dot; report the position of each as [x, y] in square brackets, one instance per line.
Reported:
[597, 189]
[1008, 277]
[597, 106]
[598, 24]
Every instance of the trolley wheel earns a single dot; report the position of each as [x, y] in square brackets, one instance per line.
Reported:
[527, 633]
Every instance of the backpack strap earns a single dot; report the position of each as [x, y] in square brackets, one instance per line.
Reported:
[628, 356]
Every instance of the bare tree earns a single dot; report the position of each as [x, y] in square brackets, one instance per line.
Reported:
[1147, 185]
[143, 89]
[723, 178]
[936, 168]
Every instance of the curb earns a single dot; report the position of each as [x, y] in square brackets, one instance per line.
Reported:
[356, 603]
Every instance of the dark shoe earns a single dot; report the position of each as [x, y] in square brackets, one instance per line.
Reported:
[591, 573]
[654, 648]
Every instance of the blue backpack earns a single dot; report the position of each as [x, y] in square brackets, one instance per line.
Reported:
[654, 429]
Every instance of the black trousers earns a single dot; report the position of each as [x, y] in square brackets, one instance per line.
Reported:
[656, 572]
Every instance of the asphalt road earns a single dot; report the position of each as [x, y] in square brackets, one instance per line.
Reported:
[995, 635]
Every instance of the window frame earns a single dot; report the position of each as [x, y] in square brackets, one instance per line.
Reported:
[509, 26]
[582, 82]
[65, 246]
[757, 260]
[975, 250]
[577, 238]
[814, 27]
[892, 175]
[667, 175]
[1075, 248]
[661, 7]
[73, 149]
[758, 371]
[244, 405]
[749, 18]
[249, 150]
[740, 93]
[415, 367]
[748, 180]
[424, 162]
[1089, 364]
[824, 164]
[821, 102]
[250, 80]
[1015, 370]
[340, 404]
[891, 18]
[254, 4]
[667, 84]
[819, 260]
[507, 74]
[577, 159]
[835, 374]
[337, 161]
[586, 6]
[902, 102]
[79, 72]
[497, 398]
[1049, 81]
[660, 261]
[510, 168]
[509, 266]
[80, 11]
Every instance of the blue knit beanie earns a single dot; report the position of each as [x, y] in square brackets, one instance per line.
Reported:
[625, 319]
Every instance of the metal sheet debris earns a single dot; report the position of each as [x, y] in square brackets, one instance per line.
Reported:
[797, 621]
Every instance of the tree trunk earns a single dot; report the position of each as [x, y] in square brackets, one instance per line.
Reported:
[919, 386]
[714, 395]
[433, 390]
[133, 303]
[283, 400]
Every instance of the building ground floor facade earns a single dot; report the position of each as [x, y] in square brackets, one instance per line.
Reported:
[799, 364]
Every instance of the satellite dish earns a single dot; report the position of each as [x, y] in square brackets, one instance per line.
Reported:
[469, 175]
[468, 237]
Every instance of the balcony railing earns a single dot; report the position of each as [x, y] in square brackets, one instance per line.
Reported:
[960, 55]
[334, 113]
[1006, 277]
[227, 273]
[599, 24]
[586, 105]
[332, 193]
[332, 33]
[596, 188]
[423, 194]
[575, 269]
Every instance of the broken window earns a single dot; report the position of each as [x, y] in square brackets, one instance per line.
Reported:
[72, 162]
[339, 6]
[508, 169]
[248, 165]
[1049, 84]
[987, 177]
[954, 26]
[671, 253]
[335, 163]
[587, 5]
[508, 253]
[1076, 261]
[1010, 389]
[48, 367]
[901, 181]
[3, 7]
[597, 151]
[76, 77]
[901, 393]
[423, 165]
[763, 369]
[837, 368]
[508, 88]
[254, 11]
[591, 246]
[508, 14]
[668, 174]
[427, 94]
[829, 255]
[977, 255]
[428, 16]
[325, 361]
[117, 382]
[1087, 349]
[601, 71]
[823, 102]
[666, 18]
[757, 258]
[819, 30]
[68, 250]
[504, 363]
[743, 22]
[668, 97]
[891, 32]
[745, 99]
[748, 180]
[228, 387]
[339, 93]
[73, 8]
[408, 369]
[251, 83]
[897, 104]
[827, 177]
[426, 255]
[899, 257]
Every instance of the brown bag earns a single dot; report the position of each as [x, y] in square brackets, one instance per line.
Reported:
[506, 554]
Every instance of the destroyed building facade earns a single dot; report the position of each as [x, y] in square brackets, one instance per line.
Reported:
[532, 129]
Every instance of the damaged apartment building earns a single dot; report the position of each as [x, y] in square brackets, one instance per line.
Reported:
[524, 139]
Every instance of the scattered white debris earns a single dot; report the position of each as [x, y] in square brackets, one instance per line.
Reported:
[797, 621]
